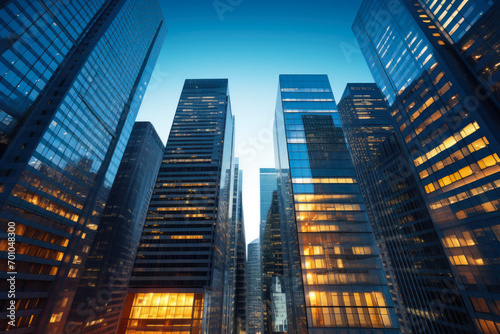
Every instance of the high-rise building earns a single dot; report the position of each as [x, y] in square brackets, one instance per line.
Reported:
[240, 299]
[414, 260]
[182, 264]
[333, 279]
[254, 306]
[273, 298]
[278, 307]
[112, 255]
[444, 103]
[73, 75]
[237, 266]
[271, 252]
[268, 184]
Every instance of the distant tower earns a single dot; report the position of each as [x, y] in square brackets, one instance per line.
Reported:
[254, 309]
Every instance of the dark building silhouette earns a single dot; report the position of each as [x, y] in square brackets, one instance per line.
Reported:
[73, 75]
[239, 253]
[101, 293]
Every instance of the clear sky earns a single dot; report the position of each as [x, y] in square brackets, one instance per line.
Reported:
[251, 42]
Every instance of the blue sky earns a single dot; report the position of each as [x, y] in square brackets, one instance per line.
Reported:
[251, 42]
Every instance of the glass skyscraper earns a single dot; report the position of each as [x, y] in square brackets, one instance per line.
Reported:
[239, 252]
[414, 261]
[271, 254]
[268, 184]
[112, 255]
[446, 115]
[182, 267]
[254, 306]
[334, 279]
[72, 78]
[273, 296]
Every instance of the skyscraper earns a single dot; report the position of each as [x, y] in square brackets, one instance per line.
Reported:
[415, 263]
[445, 111]
[333, 272]
[273, 296]
[271, 253]
[182, 264]
[73, 75]
[240, 298]
[268, 184]
[254, 307]
[112, 255]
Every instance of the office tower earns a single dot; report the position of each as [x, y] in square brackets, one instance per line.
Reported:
[182, 264]
[271, 252]
[240, 298]
[112, 255]
[268, 184]
[278, 307]
[333, 273]
[237, 272]
[415, 263]
[254, 307]
[273, 298]
[446, 116]
[73, 75]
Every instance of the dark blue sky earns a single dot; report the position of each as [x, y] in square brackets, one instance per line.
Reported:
[251, 42]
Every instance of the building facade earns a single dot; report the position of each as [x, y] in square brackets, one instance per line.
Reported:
[333, 276]
[254, 306]
[181, 269]
[268, 184]
[73, 78]
[414, 259]
[112, 255]
[426, 59]
[273, 296]
[271, 253]
[240, 299]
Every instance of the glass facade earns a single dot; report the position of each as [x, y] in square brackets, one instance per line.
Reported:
[273, 297]
[112, 255]
[271, 254]
[447, 119]
[75, 73]
[333, 273]
[185, 245]
[268, 184]
[239, 252]
[414, 260]
[254, 307]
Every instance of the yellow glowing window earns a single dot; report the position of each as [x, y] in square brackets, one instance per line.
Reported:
[56, 317]
[459, 260]
[73, 273]
[323, 180]
[429, 188]
[165, 306]
[423, 174]
[478, 144]
[447, 143]
[489, 161]
[186, 237]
